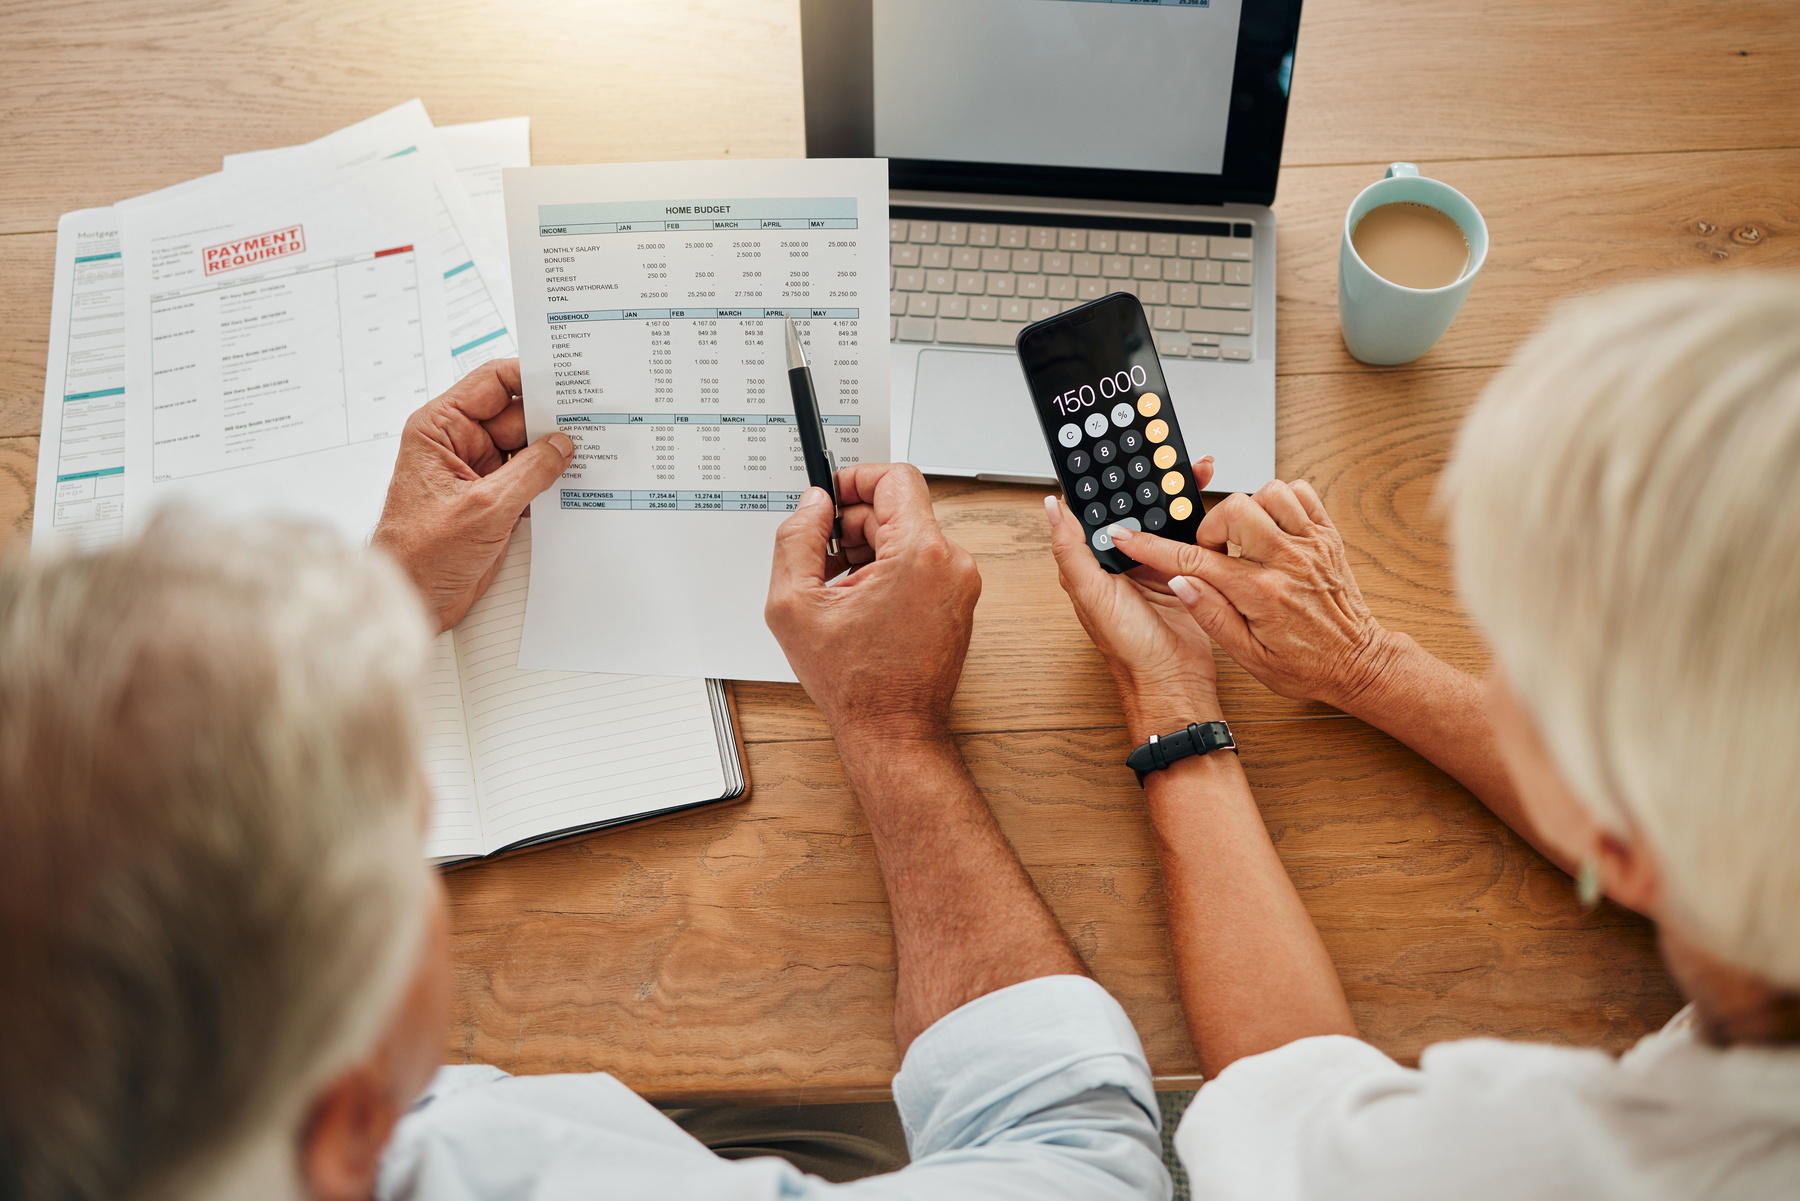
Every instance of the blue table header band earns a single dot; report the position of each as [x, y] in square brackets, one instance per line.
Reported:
[704, 315]
[720, 502]
[88, 475]
[566, 419]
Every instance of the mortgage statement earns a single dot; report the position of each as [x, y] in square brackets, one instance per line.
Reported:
[280, 330]
[477, 299]
[650, 299]
[81, 461]
[81, 483]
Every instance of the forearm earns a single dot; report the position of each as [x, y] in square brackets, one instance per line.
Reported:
[1252, 970]
[967, 920]
[1440, 712]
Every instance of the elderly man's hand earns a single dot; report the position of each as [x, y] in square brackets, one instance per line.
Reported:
[1288, 611]
[1159, 657]
[882, 652]
[455, 496]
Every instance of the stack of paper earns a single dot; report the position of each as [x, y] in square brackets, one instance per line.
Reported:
[254, 340]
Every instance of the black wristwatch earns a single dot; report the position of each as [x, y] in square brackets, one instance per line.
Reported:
[1199, 738]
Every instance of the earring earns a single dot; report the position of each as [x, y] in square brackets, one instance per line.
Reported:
[1587, 883]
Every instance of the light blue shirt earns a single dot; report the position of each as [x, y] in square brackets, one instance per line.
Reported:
[1036, 1091]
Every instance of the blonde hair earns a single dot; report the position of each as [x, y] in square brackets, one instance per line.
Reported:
[1625, 507]
[211, 888]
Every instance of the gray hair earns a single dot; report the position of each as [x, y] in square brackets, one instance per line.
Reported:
[212, 892]
[1625, 506]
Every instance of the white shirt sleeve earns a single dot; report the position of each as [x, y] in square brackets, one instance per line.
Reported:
[1036, 1091]
[1487, 1120]
[1241, 1138]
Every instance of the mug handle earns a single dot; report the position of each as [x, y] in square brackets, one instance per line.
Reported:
[1407, 169]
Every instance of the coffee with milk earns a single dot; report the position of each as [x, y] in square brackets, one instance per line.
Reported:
[1411, 244]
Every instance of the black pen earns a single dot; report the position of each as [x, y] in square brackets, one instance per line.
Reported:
[821, 464]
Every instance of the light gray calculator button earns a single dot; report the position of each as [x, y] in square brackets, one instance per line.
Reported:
[1096, 424]
[1122, 414]
[1069, 434]
[1103, 536]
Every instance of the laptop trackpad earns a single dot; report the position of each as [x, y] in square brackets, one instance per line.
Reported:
[972, 412]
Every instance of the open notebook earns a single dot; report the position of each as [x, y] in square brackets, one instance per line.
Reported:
[522, 757]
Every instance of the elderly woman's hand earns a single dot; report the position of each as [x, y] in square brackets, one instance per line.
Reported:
[456, 495]
[1288, 611]
[1160, 659]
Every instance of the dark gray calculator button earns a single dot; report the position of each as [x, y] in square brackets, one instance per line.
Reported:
[1146, 493]
[1155, 519]
[1087, 487]
[1121, 503]
[1105, 452]
[1130, 442]
[1095, 513]
[1077, 461]
[1113, 478]
[1139, 467]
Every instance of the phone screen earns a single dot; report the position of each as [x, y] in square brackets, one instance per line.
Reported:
[1110, 424]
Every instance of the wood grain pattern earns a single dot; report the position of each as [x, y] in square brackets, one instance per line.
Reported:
[1410, 79]
[26, 272]
[1372, 444]
[102, 101]
[1558, 227]
[747, 952]
[18, 479]
[1373, 82]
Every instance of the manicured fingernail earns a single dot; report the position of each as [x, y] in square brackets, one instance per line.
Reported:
[814, 496]
[1184, 589]
[1119, 533]
[1053, 511]
[565, 445]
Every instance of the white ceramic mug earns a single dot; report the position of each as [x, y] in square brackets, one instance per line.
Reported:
[1386, 323]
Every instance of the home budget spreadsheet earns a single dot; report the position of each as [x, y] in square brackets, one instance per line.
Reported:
[651, 299]
[696, 293]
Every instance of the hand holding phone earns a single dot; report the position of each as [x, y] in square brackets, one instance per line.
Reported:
[1110, 424]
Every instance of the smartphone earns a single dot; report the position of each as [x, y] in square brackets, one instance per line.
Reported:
[1110, 424]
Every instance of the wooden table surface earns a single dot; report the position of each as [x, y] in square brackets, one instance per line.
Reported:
[745, 953]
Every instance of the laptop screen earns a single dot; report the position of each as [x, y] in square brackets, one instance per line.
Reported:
[1138, 85]
[1171, 101]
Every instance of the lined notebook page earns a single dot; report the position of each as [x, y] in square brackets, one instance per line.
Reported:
[553, 750]
[455, 829]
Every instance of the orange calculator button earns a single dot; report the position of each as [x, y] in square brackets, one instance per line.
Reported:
[1157, 430]
[1149, 404]
[1173, 483]
[1164, 457]
[1180, 507]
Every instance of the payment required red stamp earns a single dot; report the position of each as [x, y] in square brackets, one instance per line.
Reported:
[245, 252]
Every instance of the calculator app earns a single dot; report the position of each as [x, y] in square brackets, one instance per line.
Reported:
[1110, 425]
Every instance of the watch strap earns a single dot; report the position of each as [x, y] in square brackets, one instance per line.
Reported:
[1199, 738]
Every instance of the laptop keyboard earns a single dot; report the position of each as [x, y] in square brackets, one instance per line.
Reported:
[960, 279]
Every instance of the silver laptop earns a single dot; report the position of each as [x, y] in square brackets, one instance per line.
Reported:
[1043, 153]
